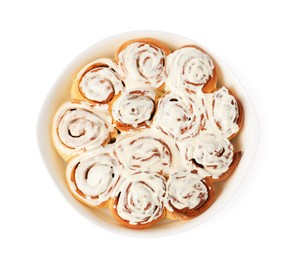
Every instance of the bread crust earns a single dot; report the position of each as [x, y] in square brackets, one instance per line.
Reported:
[211, 85]
[125, 223]
[149, 41]
[186, 213]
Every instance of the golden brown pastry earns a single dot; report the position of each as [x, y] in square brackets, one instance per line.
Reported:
[139, 202]
[191, 69]
[98, 81]
[92, 177]
[180, 117]
[188, 195]
[80, 126]
[212, 155]
[143, 62]
[145, 150]
[134, 109]
[226, 113]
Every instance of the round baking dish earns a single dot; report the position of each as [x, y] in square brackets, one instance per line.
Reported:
[246, 141]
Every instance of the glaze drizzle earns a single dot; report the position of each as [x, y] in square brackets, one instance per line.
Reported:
[143, 65]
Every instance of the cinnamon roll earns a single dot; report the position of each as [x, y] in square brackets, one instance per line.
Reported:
[143, 62]
[134, 109]
[139, 202]
[146, 150]
[80, 126]
[178, 117]
[213, 153]
[188, 195]
[99, 81]
[190, 68]
[92, 177]
[226, 113]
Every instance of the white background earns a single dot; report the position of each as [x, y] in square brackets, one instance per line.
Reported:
[255, 38]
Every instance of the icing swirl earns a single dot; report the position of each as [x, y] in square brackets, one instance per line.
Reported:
[225, 112]
[143, 64]
[134, 108]
[143, 151]
[188, 67]
[178, 117]
[186, 193]
[92, 177]
[211, 152]
[100, 80]
[80, 126]
[140, 199]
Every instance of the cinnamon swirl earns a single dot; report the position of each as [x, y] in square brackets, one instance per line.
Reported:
[213, 154]
[190, 68]
[134, 109]
[80, 126]
[188, 195]
[179, 117]
[226, 113]
[146, 150]
[143, 62]
[92, 177]
[98, 81]
[139, 202]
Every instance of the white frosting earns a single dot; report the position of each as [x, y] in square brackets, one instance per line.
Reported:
[102, 82]
[141, 198]
[80, 126]
[134, 107]
[224, 112]
[93, 176]
[188, 67]
[185, 190]
[212, 152]
[178, 117]
[147, 150]
[143, 65]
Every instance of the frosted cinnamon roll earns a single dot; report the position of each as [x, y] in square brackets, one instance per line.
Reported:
[133, 109]
[145, 151]
[139, 202]
[226, 113]
[80, 126]
[190, 68]
[143, 62]
[179, 118]
[99, 81]
[92, 177]
[187, 195]
[211, 152]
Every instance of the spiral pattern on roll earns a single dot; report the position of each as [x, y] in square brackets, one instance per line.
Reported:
[140, 199]
[92, 177]
[143, 64]
[80, 126]
[178, 117]
[134, 108]
[143, 151]
[225, 112]
[186, 194]
[188, 67]
[212, 152]
[100, 81]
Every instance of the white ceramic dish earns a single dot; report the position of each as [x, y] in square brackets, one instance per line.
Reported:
[247, 140]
